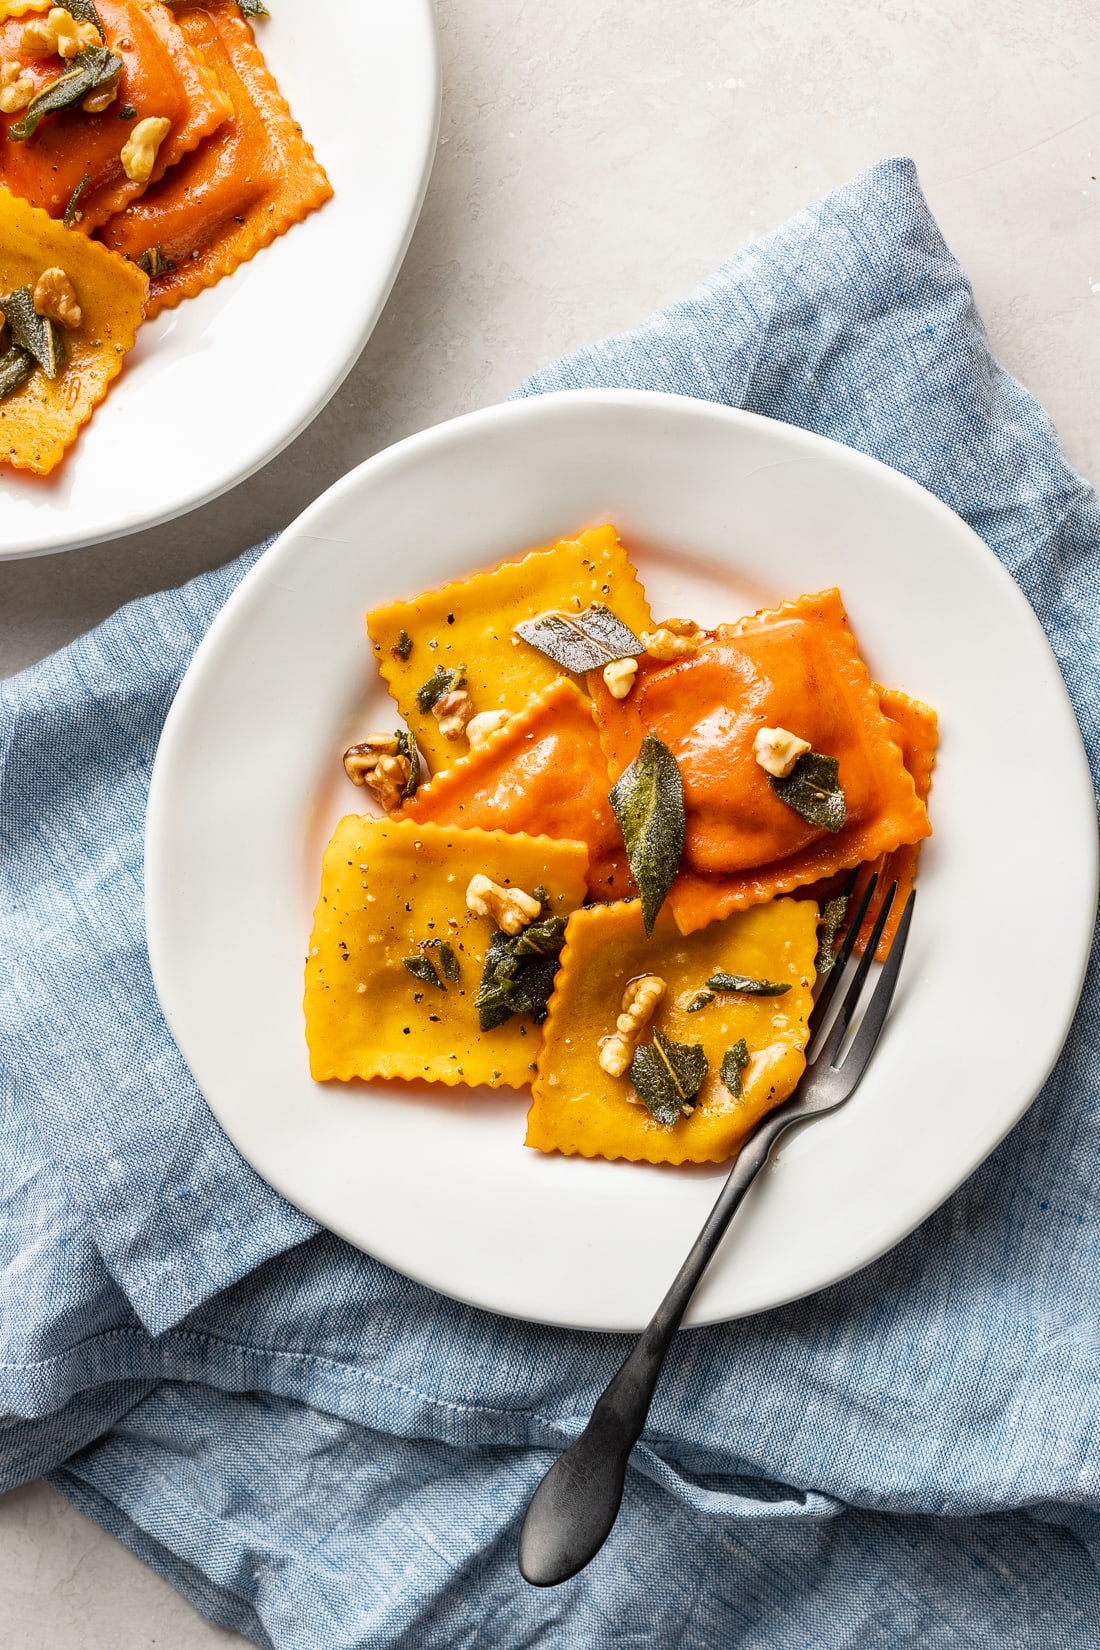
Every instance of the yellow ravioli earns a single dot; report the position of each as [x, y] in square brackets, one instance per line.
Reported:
[387, 887]
[40, 419]
[577, 1108]
[471, 624]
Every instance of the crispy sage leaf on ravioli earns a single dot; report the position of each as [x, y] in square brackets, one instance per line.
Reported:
[667, 1076]
[831, 918]
[15, 368]
[648, 800]
[581, 641]
[406, 746]
[84, 12]
[519, 971]
[746, 984]
[734, 1062]
[442, 681]
[813, 789]
[33, 332]
[94, 67]
[421, 969]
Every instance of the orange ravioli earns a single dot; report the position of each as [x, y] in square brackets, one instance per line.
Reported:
[917, 728]
[387, 888]
[577, 1108]
[42, 418]
[543, 772]
[798, 668]
[242, 189]
[471, 623]
[162, 75]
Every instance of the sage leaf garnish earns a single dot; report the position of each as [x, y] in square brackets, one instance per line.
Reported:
[813, 789]
[443, 681]
[70, 210]
[252, 8]
[746, 984]
[154, 263]
[831, 919]
[448, 962]
[667, 1075]
[421, 969]
[33, 332]
[16, 367]
[127, 112]
[700, 1000]
[648, 800]
[582, 641]
[406, 746]
[518, 975]
[734, 1062]
[403, 646]
[84, 12]
[90, 69]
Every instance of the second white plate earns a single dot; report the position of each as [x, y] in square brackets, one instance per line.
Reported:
[724, 513]
[215, 388]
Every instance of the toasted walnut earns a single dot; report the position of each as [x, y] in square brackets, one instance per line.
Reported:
[55, 298]
[777, 751]
[362, 759]
[640, 1001]
[619, 677]
[453, 711]
[510, 908]
[58, 34]
[139, 152]
[675, 639]
[16, 88]
[387, 780]
[103, 96]
[480, 727]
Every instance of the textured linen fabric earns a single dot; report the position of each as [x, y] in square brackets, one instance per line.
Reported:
[318, 1451]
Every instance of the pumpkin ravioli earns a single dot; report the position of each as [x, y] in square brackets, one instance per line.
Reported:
[241, 189]
[41, 418]
[388, 889]
[577, 1108]
[917, 729]
[470, 624]
[543, 772]
[797, 667]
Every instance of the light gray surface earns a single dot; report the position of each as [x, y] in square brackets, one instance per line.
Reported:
[598, 158]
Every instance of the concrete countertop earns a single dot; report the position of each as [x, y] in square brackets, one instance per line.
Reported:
[597, 158]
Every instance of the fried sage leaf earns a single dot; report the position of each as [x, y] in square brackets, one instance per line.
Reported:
[746, 983]
[153, 263]
[518, 976]
[33, 332]
[667, 1076]
[648, 800]
[831, 919]
[252, 8]
[406, 746]
[443, 681]
[734, 1062]
[581, 641]
[813, 789]
[70, 211]
[16, 367]
[84, 12]
[421, 969]
[403, 646]
[448, 962]
[701, 999]
[92, 68]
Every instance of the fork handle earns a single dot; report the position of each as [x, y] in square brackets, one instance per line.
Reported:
[572, 1511]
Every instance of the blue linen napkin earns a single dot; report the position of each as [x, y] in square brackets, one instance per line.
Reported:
[316, 1450]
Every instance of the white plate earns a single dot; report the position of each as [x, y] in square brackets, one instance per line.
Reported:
[215, 388]
[725, 512]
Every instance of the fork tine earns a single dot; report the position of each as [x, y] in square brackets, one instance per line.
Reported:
[832, 979]
[863, 1043]
[840, 1025]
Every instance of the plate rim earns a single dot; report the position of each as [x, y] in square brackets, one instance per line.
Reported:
[236, 474]
[413, 447]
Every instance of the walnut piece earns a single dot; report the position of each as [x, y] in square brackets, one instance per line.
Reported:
[777, 750]
[55, 298]
[453, 711]
[675, 639]
[640, 1000]
[619, 677]
[480, 727]
[16, 88]
[510, 908]
[139, 152]
[58, 34]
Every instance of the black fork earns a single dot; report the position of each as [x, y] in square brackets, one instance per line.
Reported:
[572, 1512]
